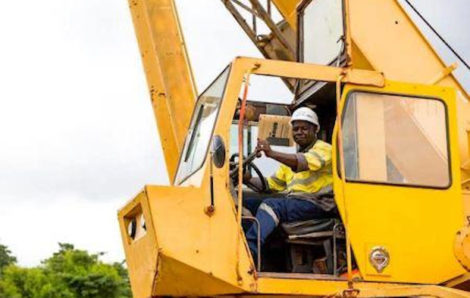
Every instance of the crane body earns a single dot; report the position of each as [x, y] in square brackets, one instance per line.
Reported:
[396, 117]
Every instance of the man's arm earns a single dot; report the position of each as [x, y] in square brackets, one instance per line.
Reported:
[289, 159]
[275, 183]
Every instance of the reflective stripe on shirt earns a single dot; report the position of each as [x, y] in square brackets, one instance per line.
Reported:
[315, 174]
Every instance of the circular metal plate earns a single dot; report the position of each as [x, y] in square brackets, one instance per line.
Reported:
[462, 247]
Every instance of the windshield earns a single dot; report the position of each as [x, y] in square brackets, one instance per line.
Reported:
[201, 129]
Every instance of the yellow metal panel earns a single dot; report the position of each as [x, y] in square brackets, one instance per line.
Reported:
[393, 44]
[175, 68]
[358, 59]
[187, 234]
[155, 85]
[141, 254]
[288, 9]
[463, 118]
[168, 72]
[336, 288]
[193, 248]
[179, 279]
[416, 225]
[310, 71]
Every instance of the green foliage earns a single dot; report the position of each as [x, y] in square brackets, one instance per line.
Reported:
[69, 273]
[5, 258]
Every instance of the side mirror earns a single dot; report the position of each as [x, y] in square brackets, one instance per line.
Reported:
[218, 151]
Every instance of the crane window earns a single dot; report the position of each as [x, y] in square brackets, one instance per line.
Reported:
[396, 140]
[321, 31]
[201, 128]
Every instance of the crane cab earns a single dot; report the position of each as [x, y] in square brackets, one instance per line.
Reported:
[401, 184]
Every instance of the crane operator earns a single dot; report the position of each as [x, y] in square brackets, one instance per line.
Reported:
[305, 176]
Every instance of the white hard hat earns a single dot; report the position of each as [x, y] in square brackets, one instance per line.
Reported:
[305, 114]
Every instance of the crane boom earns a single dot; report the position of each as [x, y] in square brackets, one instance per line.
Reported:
[168, 72]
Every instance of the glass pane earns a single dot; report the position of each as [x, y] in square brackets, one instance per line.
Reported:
[322, 31]
[268, 89]
[395, 139]
[201, 129]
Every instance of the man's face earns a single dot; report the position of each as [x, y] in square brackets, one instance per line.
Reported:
[303, 132]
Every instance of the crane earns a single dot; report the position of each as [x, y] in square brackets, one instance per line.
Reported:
[397, 119]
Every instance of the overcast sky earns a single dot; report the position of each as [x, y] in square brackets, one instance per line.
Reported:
[78, 134]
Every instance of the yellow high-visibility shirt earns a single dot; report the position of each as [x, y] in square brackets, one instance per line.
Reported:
[314, 172]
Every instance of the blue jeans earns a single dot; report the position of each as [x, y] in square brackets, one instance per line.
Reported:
[270, 212]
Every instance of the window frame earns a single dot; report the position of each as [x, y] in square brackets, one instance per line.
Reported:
[183, 153]
[304, 86]
[300, 33]
[449, 157]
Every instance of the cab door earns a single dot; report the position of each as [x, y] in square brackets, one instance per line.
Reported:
[401, 200]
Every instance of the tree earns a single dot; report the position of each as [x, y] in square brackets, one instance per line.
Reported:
[25, 283]
[6, 258]
[68, 273]
[84, 274]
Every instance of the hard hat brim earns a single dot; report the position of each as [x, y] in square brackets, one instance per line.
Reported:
[306, 119]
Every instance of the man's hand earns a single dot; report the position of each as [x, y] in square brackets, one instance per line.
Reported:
[288, 159]
[263, 146]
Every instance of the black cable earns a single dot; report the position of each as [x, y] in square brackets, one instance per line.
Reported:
[438, 35]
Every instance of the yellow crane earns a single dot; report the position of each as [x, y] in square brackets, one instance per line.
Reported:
[398, 121]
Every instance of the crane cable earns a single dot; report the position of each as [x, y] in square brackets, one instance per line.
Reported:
[437, 34]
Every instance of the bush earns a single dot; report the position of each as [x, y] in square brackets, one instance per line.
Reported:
[67, 273]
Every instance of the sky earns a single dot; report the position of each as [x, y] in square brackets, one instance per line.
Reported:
[78, 137]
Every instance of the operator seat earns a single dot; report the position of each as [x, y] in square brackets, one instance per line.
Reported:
[314, 245]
